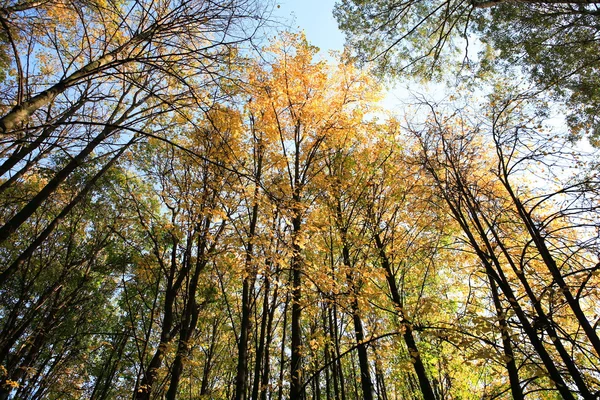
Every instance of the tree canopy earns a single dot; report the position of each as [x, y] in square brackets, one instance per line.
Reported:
[554, 43]
[194, 207]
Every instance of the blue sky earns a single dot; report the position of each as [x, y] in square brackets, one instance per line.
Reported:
[316, 19]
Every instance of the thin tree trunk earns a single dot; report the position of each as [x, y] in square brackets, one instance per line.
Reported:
[24, 151]
[550, 263]
[16, 221]
[15, 326]
[21, 113]
[326, 355]
[18, 174]
[248, 282]
[476, 217]
[168, 330]
[354, 380]
[267, 360]
[504, 286]
[208, 363]
[282, 354]
[188, 326]
[333, 320]
[261, 343]
[18, 368]
[379, 378]
[409, 339]
[296, 387]
[365, 375]
[110, 368]
[191, 309]
[245, 326]
[511, 366]
[363, 358]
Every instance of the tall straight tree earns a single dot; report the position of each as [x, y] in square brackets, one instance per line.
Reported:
[303, 104]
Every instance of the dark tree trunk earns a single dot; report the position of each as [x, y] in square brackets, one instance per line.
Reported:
[363, 358]
[24, 150]
[499, 277]
[326, 353]
[247, 285]
[540, 244]
[380, 378]
[409, 340]
[267, 359]
[168, 330]
[511, 366]
[16, 221]
[296, 387]
[21, 113]
[208, 363]
[245, 326]
[261, 342]
[333, 319]
[282, 353]
[479, 220]
[110, 367]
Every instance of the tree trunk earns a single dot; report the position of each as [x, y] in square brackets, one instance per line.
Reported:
[24, 151]
[208, 363]
[363, 358]
[296, 387]
[511, 366]
[110, 368]
[282, 354]
[248, 283]
[167, 332]
[267, 363]
[326, 353]
[409, 340]
[504, 286]
[479, 219]
[333, 319]
[21, 113]
[16, 221]
[261, 343]
[540, 243]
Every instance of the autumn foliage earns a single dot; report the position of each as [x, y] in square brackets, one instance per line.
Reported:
[183, 218]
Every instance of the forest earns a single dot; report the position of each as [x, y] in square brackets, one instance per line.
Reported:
[196, 203]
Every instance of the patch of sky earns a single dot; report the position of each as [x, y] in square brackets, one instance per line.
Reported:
[315, 18]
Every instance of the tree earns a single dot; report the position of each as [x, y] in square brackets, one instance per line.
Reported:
[404, 239]
[181, 38]
[57, 301]
[498, 228]
[132, 66]
[194, 192]
[303, 106]
[554, 43]
[191, 220]
[345, 215]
